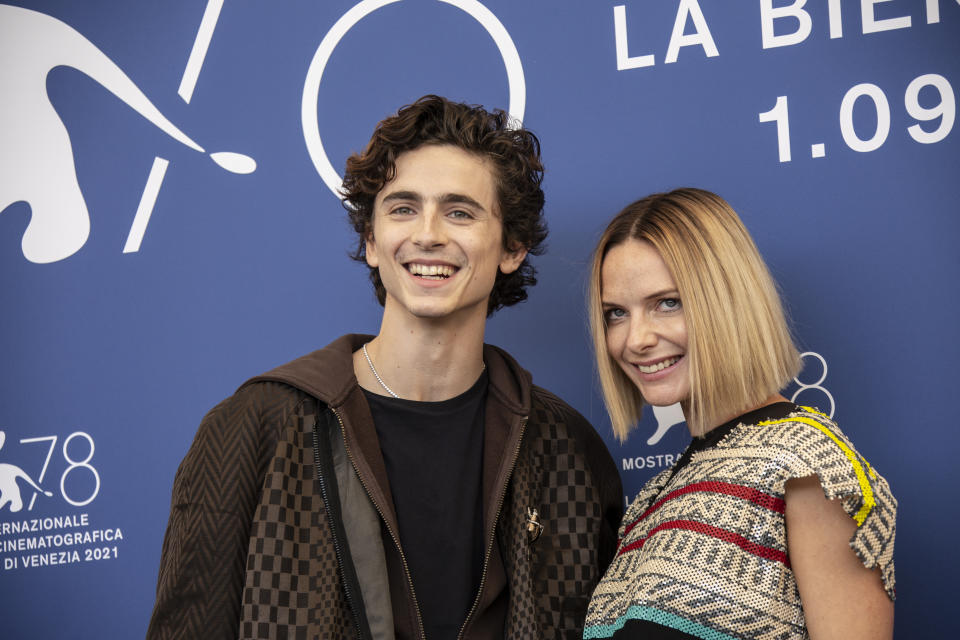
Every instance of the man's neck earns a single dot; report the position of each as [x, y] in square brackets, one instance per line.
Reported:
[426, 359]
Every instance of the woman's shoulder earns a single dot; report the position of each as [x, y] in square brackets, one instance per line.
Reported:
[807, 442]
[804, 435]
[804, 441]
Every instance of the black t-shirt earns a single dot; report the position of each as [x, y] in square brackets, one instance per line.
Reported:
[433, 452]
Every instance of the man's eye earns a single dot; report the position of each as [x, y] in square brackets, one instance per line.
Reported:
[460, 214]
[402, 211]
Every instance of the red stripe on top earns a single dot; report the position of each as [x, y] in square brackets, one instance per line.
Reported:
[759, 498]
[716, 532]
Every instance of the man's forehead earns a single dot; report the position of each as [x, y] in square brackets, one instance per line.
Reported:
[441, 172]
[440, 152]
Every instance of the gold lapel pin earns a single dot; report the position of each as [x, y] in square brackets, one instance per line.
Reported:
[534, 527]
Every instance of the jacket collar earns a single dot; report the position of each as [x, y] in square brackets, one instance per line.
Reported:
[327, 374]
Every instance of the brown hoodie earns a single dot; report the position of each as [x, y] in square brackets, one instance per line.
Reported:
[251, 550]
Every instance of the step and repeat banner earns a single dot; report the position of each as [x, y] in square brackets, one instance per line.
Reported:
[169, 227]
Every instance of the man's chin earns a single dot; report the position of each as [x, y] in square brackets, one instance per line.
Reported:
[437, 307]
[438, 310]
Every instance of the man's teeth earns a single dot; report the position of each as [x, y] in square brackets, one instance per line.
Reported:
[432, 271]
[660, 366]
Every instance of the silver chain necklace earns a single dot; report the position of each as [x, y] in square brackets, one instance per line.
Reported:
[377, 375]
[380, 380]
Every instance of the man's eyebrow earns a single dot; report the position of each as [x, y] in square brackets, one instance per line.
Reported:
[446, 198]
[413, 196]
[459, 198]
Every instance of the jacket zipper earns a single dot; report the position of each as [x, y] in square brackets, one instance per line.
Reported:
[493, 530]
[337, 548]
[393, 535]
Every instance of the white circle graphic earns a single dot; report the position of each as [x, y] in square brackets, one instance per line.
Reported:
[816, 385]
[311, 87]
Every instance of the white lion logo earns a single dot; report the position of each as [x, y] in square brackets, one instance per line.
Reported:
[666, 418]
[9, 489]
[36, 157]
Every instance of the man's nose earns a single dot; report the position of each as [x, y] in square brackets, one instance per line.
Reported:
[429, 232]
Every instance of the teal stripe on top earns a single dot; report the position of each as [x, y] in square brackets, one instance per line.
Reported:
[650, 614]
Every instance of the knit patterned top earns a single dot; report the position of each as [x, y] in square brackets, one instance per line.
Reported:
[703, 549]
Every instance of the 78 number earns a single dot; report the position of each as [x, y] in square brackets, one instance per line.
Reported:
[72, 466]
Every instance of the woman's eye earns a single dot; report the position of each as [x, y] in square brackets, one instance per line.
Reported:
[611, 315]
[670, 304]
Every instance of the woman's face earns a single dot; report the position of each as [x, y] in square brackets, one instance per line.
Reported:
[645, 328]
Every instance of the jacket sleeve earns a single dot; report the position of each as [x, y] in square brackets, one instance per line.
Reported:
[582, 504]
[610, 494]
[215, 491]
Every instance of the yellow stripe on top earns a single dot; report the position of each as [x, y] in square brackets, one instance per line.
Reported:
[813, 410]
[873, 474]
[865, 488]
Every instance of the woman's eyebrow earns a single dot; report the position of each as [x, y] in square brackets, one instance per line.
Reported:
[663, 293]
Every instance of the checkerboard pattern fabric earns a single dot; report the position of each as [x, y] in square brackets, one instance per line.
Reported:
[705, 551]
[292, 577]
[557, 475]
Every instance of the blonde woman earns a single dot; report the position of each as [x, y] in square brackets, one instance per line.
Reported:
[770, 525]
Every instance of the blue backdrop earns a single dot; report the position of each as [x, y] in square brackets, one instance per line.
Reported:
[145, 276]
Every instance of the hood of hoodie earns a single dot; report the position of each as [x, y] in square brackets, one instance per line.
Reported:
[327, 374]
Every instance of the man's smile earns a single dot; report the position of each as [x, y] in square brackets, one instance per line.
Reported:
[431, 271]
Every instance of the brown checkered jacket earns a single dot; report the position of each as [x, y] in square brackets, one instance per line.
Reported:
[249, 547]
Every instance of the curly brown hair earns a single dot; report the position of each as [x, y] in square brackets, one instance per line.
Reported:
[513, 151]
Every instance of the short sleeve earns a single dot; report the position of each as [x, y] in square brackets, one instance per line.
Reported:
[815, 445]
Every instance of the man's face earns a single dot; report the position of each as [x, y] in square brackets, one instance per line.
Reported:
[437, 236]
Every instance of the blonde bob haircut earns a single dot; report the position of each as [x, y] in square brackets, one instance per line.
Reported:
[738, 342]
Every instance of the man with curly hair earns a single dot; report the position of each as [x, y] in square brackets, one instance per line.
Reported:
[412, 484]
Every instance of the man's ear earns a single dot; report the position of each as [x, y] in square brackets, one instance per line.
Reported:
[513, 258]
[370, 249]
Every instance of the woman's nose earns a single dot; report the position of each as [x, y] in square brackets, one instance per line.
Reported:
[642, 334]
